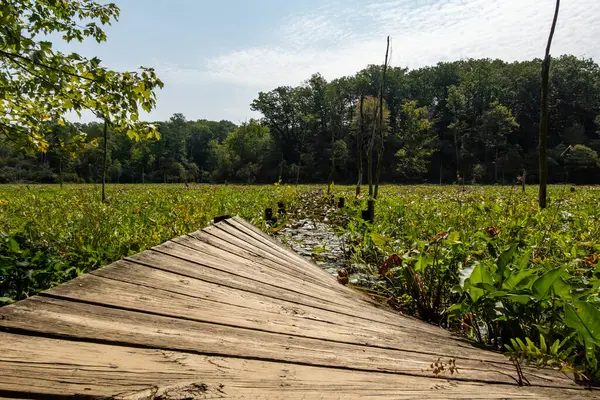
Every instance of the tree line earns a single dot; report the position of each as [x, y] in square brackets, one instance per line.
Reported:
[463, 121]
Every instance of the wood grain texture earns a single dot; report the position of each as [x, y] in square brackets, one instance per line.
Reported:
[229, 312]
[100, 370]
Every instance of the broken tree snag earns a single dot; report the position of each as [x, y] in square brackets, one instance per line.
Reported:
[381, 120]
[544, 115]
[369, 213]
[359, 144]
[341, 202]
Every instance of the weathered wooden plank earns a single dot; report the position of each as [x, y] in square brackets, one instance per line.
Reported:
[195, 270]
[339, 297]
[213, 258]
[259, 248]
[198, 271]
[217, 238]
[282, 271]
[30, 369]
[230, 228]
[251, 231]
[165, 301]
[60, 318]
[156, 279]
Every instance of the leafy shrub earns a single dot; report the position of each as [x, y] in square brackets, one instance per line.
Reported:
[51, 235]
[486, 262]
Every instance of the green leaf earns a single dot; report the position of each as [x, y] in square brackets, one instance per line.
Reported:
[503, 261]
[562, 289]
[543, 346]
[479, 276]
[13, 245]
[523, 261]
[453, 237]
[6, 300]
[378, 240]
[543, 284]
[465, 273]
[584, 318]
[457, 309]
[520, 280]
[422, 263]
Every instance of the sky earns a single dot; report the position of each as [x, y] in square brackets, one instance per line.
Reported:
[215, 56]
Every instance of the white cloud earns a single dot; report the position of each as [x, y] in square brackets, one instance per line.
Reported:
[344, 36]
[341, 39]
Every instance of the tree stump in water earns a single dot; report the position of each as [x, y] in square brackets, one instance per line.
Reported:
[369, 213]
[269, 216]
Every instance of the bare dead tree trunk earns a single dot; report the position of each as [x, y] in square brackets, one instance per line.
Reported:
[299, 162]
[381, 129]
[332, 163]
[332, 160]
[544, 115]
[456, 148]
[496, 166]
[359, 145]
[60, 170]
[370, 152]
[105, 159]
[280, 167]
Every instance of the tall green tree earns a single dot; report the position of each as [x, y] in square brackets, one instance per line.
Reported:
[41, 84]
[498, 123]
[416, 138]
[456, 104]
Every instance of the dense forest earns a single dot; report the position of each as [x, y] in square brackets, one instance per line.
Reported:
[471, 120]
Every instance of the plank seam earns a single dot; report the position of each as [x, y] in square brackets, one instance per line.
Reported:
[132, 260]
[184, 318]
[26, 332]
[157, 250]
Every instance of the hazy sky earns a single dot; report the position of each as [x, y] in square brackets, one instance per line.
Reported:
[215, 56]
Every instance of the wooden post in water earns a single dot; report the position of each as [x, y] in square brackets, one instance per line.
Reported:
[369, 213]
[269, 216]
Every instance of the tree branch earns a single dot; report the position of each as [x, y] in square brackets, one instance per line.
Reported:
[553, 28]
[29, 60]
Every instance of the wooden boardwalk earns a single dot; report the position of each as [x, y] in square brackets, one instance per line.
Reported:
[228, 312]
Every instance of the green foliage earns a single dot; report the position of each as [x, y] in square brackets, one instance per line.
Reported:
[582, 159]
[25, 269]
[48, 236]
[555, 356]
[39, 84]
[485, 262]
[483, 118]
[415, 134]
